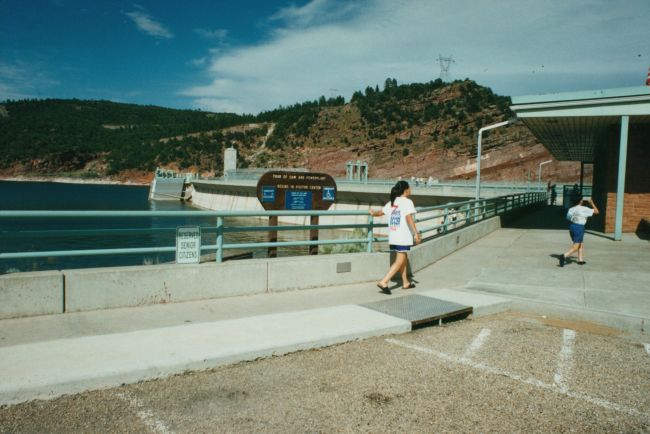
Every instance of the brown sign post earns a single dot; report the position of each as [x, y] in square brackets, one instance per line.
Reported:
[296, 191]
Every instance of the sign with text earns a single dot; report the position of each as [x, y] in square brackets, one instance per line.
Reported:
[188, 245]
[280, 190]
[297, 200]
[268, 193]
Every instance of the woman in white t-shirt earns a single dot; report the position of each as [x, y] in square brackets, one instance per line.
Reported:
[401, 232]
[578, 215]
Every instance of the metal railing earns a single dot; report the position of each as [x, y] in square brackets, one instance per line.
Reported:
[432, 221]
[505, 186]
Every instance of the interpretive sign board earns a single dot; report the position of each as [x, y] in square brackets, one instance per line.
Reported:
[303, 191]
[188, 245]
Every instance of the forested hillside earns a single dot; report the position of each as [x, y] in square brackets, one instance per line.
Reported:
[45, 136]
[51, 135]
[423, 129]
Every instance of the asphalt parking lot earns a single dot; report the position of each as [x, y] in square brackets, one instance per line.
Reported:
[502, 373]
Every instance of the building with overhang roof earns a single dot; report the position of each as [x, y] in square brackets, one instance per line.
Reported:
[609, 128]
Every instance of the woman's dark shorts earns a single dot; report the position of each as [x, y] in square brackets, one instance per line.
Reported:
[577, 232]
[396, 248]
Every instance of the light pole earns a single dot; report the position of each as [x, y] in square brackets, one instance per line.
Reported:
[539, 173]
[478, 151]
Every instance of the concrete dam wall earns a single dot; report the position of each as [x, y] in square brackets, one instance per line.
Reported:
[242, 196]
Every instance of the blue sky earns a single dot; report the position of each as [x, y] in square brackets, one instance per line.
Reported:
[245, 56]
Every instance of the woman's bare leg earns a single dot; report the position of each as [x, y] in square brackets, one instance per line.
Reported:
[400, 260]
[404, 272]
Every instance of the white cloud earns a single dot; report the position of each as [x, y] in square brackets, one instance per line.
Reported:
[514, 46]
[198, 62]
[148, 25]
[214, 34]
[316, 12]
[9, 92]
[20, 80]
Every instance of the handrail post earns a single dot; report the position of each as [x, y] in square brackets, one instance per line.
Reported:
[272, 252]
[219, 252]
[313, 235]
[371, 221]
[445, 220]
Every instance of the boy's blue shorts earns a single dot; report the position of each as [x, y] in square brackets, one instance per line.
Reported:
[577, 232]
[396, 248]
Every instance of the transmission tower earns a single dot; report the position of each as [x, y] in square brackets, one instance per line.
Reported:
[445, 64]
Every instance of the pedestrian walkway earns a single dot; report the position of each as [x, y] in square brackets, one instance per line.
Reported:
[514, 267]
[520, 262]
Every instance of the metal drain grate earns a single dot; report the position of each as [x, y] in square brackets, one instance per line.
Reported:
[419, 309]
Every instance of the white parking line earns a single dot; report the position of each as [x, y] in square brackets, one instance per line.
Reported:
[477, 343]
[565, 359]
[530, 381]
[146, 416]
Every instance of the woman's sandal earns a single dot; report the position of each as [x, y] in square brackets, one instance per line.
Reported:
[384, 289]
[411, 286]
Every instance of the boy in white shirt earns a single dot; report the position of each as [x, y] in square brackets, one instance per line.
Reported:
[578, 215]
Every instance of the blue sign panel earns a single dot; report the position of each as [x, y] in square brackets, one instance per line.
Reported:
[329, 193]
[268, 193]
[297, 200]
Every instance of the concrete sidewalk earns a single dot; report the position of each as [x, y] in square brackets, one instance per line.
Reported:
[45, 357]
[514, 267]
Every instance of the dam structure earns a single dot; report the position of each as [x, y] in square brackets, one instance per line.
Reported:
[239, 193]
[236, 190]
[169, 185]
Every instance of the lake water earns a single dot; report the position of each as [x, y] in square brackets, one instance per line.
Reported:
[155, 231]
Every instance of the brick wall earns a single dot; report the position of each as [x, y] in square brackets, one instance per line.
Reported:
[636, 202]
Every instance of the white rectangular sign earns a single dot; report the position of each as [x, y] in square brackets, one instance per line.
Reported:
[188, 245]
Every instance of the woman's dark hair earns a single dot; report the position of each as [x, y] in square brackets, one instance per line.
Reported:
[398, 190]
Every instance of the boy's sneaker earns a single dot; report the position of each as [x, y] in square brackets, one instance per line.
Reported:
[562, 260]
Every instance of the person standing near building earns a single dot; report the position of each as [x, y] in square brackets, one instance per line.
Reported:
[578, 215]
[553, 194]
[402, 232]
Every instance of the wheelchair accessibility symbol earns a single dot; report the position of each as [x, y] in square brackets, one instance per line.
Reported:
[329, 193]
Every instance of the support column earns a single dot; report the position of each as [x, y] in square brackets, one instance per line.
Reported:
[620, 182]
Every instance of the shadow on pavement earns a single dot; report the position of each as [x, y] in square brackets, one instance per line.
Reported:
[552, 217]
[548, 217]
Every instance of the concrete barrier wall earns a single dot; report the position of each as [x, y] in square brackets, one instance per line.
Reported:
[31, 294]
[325, 270]
[28, 294]
[105, 288]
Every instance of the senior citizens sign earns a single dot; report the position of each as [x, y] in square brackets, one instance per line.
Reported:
[188, 245]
